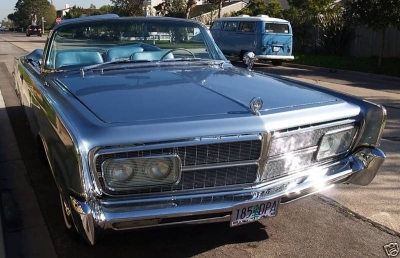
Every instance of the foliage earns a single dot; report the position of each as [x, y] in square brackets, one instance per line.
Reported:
[256, 7]
[50, 16]
[162, 8]
[375, 14]
[177, 9]
[78, 11]
[304, 15]
[74, 12]
[29, 11]
[106, 9]
[128, 7]
[335, 33]
[189, 5]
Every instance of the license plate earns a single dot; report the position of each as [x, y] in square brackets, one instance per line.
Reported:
[276, 49]
[35, 29]
[246, 213]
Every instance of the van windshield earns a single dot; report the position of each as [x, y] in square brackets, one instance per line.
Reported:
[276, 28]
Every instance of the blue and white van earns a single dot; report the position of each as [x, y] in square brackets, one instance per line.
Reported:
[269, 38]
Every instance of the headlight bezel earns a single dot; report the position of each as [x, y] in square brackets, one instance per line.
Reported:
[139, 179]
[337, 150]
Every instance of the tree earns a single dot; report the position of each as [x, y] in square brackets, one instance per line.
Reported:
[304, 17]
[255, 7]
[50, 16]
[74, 12]
[274, 9]
[177, 9]
[162, 8]
[30, 11]
[375, 14]
[189, 5]
[128, 7]
[106, 9]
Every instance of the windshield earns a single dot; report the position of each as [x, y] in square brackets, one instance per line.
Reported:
[90, 43]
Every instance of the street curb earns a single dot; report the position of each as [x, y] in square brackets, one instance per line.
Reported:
[344, 72]
[347, 212]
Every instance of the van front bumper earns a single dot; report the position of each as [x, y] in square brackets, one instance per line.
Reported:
[274, 57]
[96, 216]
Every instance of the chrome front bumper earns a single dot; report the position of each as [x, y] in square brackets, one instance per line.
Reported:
[93, 217]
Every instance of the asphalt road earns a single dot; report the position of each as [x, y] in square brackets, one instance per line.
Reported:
[346, 221]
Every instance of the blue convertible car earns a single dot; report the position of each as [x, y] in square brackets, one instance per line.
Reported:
[145, 123]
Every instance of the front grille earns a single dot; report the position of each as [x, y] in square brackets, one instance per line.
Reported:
[206, 154]
[212, 155]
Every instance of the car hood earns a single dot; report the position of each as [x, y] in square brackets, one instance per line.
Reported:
[185, 93]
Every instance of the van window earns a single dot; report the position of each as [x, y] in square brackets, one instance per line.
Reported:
[216, 26]
[276, 28]
[230, 26]
[246, 26]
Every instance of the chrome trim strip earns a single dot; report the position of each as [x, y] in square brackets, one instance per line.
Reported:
[265, 147]
[220, 165]
[179, 143]
[312, 128]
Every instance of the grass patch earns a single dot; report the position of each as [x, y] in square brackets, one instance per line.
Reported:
[390, 66]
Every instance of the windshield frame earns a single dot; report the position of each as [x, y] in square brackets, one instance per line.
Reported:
[212, 49]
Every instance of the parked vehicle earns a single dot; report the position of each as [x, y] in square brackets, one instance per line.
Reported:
[269, 38]
[33, 30]
[145, 123]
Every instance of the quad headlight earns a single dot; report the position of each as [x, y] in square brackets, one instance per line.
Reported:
[335, 142]
[124, 174]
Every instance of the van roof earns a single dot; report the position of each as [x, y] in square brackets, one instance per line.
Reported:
[252, 18]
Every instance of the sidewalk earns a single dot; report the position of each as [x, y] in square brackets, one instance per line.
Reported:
[24, 232]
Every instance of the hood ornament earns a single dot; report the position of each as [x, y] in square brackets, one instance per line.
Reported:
[248, 59]
[255, 105]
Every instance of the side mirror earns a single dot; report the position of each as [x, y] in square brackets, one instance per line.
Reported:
[248, 59]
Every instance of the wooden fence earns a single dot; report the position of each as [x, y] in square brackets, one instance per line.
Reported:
[368, 43]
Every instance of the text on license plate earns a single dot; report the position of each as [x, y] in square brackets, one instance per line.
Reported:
[246, 213]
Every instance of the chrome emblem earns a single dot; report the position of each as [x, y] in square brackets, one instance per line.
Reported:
[255, 105]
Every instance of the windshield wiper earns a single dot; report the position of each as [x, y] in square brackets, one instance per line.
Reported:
[117, 61]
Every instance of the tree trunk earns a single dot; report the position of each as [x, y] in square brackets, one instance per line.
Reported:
[219, 8]
[382, 46]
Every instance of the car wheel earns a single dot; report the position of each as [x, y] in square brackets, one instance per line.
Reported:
[277, 62]
[68, 222]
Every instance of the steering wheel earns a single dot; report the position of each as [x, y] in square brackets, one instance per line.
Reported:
[176, 49]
